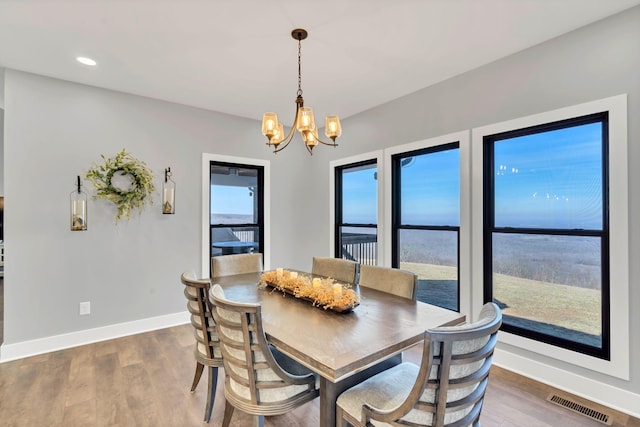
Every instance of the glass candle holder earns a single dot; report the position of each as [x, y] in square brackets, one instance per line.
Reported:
[168, 194]
[78, 212]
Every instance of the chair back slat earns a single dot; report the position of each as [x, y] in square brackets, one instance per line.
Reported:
[254, 381]
[207, 349]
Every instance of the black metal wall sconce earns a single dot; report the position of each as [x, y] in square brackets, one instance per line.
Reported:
[78, 200]
[168, 194]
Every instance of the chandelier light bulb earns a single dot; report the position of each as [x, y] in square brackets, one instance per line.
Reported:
[278, 136]
[332, 128]
[312, 138]
[269, 124]
[306, 121]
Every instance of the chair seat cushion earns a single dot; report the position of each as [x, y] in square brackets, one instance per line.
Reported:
[385, 390]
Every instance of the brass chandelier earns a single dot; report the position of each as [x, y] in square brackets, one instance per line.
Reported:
[304, 120]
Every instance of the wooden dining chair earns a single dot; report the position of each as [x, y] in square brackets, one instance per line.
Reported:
[342, 270]
[255, 381]
[391, 280]
[447, 389]
[207, 349]
[227, 265]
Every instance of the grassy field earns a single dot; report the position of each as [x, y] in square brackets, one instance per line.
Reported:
[565, 306]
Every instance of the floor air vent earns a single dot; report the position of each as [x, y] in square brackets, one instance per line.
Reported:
[581, 409]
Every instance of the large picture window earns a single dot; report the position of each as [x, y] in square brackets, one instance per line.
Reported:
[547, 232]
[426, 221]
[236, 208]
[356, 212]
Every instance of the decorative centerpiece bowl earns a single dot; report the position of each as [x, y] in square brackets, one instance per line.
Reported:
[323, 292]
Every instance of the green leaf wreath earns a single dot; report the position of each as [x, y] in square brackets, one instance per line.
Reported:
[141, 187]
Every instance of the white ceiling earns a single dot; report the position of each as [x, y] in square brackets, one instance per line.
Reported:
[238, 57]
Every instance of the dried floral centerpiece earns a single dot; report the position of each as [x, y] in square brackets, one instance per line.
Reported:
[323, 292]
[124, 180]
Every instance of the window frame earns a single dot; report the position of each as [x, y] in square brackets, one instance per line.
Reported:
[616, 106]
[260, 223]
[373, 156]
[490, 229]
[464, 243]
[396, 206]
[207, 159]
[338, 212]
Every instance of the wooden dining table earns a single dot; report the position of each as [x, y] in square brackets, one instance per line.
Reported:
[342, 348]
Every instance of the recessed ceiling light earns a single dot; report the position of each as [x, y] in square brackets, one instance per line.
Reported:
[86, 61]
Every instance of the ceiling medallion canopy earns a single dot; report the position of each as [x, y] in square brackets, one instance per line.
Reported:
[304, 121]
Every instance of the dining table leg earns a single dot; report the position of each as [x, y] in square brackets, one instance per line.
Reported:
[329, 391]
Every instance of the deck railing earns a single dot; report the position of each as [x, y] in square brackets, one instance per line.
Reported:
[245, 235]
[361, 247]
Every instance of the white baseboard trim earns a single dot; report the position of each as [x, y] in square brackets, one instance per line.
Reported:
[604, 394]
[20, 350]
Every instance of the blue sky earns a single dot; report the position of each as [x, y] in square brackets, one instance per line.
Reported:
[360, 196]
[549, 179]
[231, 200]
[431, 189]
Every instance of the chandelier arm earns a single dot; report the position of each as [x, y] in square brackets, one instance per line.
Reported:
[332, 144]
[283, 144]
[292, 131]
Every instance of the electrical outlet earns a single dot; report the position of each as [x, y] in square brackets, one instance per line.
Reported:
[85, 308]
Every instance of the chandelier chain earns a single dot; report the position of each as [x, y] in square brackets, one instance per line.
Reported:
[299, 68]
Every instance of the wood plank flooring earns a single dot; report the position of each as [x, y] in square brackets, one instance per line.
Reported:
[144, 380]
[1, 310]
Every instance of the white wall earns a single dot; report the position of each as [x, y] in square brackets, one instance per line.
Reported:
[1, 131]
[594, 62]
[54, 131]
[1, 88]
[1, 150]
